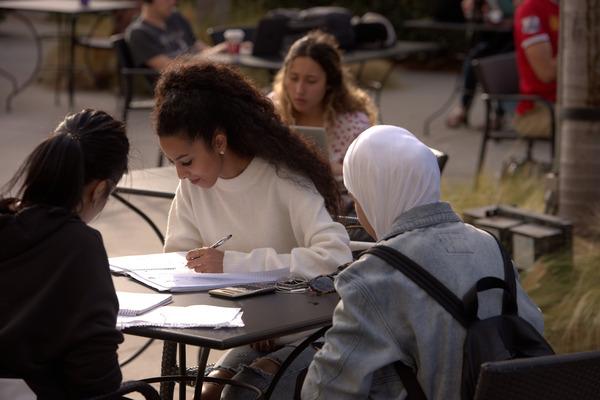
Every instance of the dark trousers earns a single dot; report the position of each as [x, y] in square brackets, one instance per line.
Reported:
[486, 44]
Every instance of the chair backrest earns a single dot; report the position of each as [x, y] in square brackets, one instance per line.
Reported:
[565, 376]
[498, 74]
[121, 47]
[441, 157]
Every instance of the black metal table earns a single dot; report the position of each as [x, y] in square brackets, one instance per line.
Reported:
[69, 9]
[402, 49]
[265, 317]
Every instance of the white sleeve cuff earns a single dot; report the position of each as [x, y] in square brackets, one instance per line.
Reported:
[543, 37]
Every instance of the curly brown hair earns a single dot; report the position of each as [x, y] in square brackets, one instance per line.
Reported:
[198, 99]
[342, 95]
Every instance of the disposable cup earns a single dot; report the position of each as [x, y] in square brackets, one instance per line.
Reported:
[233, 37]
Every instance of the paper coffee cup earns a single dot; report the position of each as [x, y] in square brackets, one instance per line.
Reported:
[233, 37]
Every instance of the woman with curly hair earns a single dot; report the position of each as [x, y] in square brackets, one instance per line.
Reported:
[243, 173]
[314, 89]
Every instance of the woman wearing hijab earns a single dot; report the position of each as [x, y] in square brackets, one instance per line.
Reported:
[383, 317]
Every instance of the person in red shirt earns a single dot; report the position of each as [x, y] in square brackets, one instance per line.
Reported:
[536, 43]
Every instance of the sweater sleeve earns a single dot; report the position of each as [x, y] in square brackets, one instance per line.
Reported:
[322, 243]
[90, 364]
[182, 230]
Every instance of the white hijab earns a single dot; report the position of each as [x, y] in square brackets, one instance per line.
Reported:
[389, 171]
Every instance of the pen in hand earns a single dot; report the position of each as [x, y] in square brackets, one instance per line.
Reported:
[220, 242]
[216, 244]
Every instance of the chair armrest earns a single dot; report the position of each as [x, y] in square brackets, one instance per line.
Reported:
[144, 388]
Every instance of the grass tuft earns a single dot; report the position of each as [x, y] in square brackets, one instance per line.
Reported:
[565, 286]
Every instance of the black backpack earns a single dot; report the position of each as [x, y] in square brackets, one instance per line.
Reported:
[281, 27]
[503, 337]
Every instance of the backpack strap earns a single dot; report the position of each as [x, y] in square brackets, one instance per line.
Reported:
[509, 296]
[509, 275]
[426, 281]
[410, 382]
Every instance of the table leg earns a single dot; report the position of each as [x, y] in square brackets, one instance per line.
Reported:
[71, 66]
[182, 370]
[38, 61]
[141, 214]
[202, 361]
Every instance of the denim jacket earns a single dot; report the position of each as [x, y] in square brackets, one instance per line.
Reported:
[383, 316]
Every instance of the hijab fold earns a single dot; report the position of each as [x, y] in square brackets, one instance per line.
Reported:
[389, 171]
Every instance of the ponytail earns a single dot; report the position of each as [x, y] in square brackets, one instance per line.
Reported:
[86, 146]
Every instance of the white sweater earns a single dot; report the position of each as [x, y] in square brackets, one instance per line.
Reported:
[276, 222]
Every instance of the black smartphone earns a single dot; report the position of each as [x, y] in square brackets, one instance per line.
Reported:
[240, 291]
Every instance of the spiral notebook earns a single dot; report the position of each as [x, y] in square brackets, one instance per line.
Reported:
[133, 304]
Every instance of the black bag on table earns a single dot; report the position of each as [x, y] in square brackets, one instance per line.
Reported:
[281, 27]
[502, 337]
[373, 31]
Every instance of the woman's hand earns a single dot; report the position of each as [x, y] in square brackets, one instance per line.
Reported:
[205, 259]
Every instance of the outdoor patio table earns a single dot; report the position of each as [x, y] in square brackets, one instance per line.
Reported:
[265, 317]
[69, 9]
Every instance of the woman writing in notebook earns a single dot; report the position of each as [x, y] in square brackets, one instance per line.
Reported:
[53, 266]
[313, 89]
[243, 173]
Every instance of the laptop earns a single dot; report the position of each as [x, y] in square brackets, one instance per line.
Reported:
[315, 134]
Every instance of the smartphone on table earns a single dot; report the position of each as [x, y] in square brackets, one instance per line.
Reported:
[241, 291]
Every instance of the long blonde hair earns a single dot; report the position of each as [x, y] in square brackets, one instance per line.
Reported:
[342, 94]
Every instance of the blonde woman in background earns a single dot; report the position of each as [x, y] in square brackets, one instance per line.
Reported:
[314, 89]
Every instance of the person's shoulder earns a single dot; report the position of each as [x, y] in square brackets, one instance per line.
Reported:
[135, 26]
[177, 18]
[138, 30]
[368, 271]
[288, 184]
[82, 235]
[352, 117]
[272, 96]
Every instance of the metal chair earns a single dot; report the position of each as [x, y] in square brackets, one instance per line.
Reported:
[442, 158]
[556, 377]
[127, 72]
[146, 391]
[499, 79]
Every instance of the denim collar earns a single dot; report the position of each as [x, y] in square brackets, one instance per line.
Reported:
[423, 217]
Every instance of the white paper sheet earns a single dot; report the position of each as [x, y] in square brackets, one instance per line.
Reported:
[186, 317]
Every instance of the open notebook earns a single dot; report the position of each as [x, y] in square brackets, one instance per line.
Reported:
[167, 272]
[132, 304]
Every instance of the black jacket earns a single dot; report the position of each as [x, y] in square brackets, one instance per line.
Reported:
[58, 306]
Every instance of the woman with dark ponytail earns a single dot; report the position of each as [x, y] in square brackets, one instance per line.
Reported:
[243, 173]
[58, 316]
